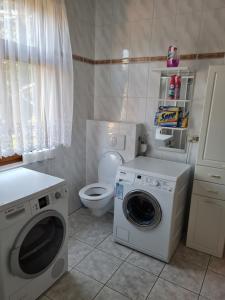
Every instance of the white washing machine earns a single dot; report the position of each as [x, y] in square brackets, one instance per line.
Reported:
[149, 205]
[33, 233]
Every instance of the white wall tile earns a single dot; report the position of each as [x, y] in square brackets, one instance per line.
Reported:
[151, 109]
[102, 81]
[140, 35]
[163, 35]
[212, 35]
[138, 80]
[110, 109]
[120, 40]
[210, 4]
[103, 42]
[188, 6]
[136, 108]
[103, 12]
[187, 32]
[119, 80]
[165, 8]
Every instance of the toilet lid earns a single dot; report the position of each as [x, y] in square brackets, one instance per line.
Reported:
[107, 167]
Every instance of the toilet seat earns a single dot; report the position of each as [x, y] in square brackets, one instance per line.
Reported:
[96, 191]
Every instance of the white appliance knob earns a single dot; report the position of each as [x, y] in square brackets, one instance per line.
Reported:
[155, 182]
[58, 195]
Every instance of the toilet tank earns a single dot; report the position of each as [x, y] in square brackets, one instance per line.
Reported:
[103, 136]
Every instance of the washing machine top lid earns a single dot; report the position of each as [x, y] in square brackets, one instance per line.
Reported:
[159, 168]
[21, 183]
[108, 165]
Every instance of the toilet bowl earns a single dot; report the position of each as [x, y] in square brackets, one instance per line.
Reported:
[99, 196]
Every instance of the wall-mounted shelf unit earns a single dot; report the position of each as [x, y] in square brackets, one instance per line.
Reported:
[178, 141]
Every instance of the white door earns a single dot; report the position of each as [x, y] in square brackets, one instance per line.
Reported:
[212, 138]
[206, 225]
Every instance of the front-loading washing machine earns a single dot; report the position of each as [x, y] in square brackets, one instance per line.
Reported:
[150, 204]
[33, 233]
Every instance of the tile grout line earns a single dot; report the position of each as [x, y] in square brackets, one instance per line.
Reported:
[205, 275]
[105, 285]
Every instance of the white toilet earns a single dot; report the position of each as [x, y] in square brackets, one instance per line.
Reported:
[99, 196]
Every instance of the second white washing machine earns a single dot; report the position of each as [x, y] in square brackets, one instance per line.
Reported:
[150, 204]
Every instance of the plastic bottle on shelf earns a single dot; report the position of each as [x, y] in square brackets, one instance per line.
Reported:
[172, 57]
[177, 87]
[172, 87]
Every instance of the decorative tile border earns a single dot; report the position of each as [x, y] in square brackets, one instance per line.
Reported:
[146, 59]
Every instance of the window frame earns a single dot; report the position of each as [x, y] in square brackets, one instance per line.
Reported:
[10, 159]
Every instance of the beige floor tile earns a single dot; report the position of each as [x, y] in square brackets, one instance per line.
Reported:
[146, 262]
[187, 275]
[99, 265]
[217, 265]
[88, 228]
[109, 246]
[43, 298]
[164, 290]
[132, 282]
[192, 256]
[74, 286]
[108, 294]
[213, 286]
[77, 251]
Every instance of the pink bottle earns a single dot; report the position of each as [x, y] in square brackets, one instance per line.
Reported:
[172, 57]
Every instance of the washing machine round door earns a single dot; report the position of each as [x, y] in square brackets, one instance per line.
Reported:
[38, 244]
[142, 209]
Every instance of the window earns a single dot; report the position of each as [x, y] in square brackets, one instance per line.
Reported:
[36, 77]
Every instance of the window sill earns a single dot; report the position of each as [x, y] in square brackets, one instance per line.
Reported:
[12, 166]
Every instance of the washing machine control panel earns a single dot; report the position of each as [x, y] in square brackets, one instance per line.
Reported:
[158, 183]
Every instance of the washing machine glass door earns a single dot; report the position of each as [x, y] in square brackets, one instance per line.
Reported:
[38, 244]
[142, 209]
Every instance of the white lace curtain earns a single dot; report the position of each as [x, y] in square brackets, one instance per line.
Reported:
[36, 76]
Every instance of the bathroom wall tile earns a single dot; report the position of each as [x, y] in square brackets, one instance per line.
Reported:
[146, 262]
[162, 35]
[103, 12]
[138, 80]
[154, 79]
[140, 35]
[110, 109]
[74, 283]
[213, 286]
[99, 265]
[107, 293]
[188, 6]
[119, 80]
[187, 32]
[209, 4]
[113, 248]
[165, 8]
[165, 290]
[102, 81]
[151, 109]
[124, 278]
[120, 40]
[136, 108]
[132, 10]
[212, 35]
[103, 42]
